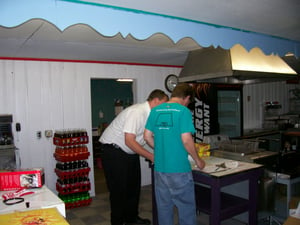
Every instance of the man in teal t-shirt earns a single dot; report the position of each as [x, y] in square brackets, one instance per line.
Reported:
[169, 130]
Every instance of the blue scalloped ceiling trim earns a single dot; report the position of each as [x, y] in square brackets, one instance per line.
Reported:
[109, 21]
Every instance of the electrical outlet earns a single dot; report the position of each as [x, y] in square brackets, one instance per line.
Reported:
[48, 133]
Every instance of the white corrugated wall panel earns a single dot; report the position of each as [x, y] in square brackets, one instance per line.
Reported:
[258, 95]
[56, 95]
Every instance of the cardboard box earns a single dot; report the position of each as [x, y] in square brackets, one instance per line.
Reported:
[292, 205]
[292, 221]
[294, 202]
[203, 149]
[23, 178]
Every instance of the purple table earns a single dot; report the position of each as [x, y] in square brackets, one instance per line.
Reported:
[218, 205]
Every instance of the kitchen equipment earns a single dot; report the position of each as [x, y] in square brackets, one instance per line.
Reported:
[244, 147]
[294, 101]
[273, 117]
[205, 111]
[215, 140]
[9, 155]
[6, 135]
[272, 109]
[235, 66]
[230, 111]
[217, 110]
[246, 150]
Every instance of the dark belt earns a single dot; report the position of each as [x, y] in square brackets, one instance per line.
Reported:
[112, 144]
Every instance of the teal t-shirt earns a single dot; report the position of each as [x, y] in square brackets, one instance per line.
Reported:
[168, 121]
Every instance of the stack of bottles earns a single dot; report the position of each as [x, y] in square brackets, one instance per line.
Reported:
[72, 168]
[71, 153]
[70, 137]
[72, 179]
[77, 198]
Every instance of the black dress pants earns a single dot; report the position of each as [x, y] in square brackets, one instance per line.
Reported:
[123, 177]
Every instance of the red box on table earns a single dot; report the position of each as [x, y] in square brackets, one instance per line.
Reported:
[22, 178]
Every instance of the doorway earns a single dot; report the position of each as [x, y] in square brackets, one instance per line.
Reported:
[108, 98]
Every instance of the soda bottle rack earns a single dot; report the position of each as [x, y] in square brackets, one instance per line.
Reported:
[70, 137]
[71, 153]
[76, 200]
[72, 150]
[73, 181]
[72, 174]
[68, 158]
[78, 203]
[72, 168]
[65, 188]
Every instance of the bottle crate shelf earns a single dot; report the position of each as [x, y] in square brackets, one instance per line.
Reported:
[76, 200]
[66, 189]
[66, 158]
[70, 141]
[72, 174]
[76, 204]
[72, 169]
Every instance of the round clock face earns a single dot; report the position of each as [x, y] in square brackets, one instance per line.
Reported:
[171, 82]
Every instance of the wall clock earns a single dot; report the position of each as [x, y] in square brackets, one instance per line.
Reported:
[170, 82]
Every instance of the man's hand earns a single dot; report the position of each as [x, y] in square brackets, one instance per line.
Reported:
[136, 147]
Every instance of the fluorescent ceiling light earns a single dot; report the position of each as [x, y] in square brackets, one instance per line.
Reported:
[125, 80]
[289, 54]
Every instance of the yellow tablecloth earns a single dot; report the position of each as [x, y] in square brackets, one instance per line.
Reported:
[49, 216]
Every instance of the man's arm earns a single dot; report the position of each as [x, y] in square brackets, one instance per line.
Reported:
[189, 145]
[136, 147]
[148, 136]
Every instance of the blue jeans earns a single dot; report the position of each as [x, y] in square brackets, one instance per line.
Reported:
[175, 189]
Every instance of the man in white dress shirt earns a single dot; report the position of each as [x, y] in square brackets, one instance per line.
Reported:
[122, 145]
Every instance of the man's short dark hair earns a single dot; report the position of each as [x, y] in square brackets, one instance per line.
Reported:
[157, 93]
[182, 90]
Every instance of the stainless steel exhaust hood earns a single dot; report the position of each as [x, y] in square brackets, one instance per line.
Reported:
[293, 62]
[235, 66]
